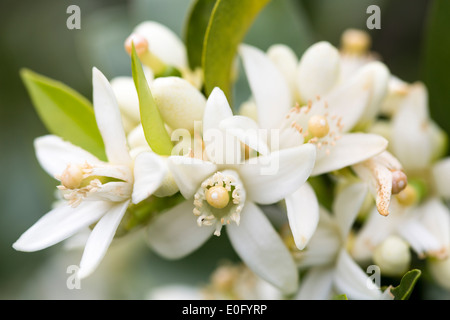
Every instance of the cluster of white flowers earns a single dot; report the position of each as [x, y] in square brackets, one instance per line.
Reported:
[344, 150]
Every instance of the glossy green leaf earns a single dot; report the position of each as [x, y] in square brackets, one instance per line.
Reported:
[228, 25]
[195, 30]
[64, 112]
[404, 289]
[154, 129]
[436, 63]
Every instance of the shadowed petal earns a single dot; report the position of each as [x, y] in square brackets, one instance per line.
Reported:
[261, 248]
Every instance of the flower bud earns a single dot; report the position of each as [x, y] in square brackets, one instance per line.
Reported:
[318, 70]
[392, 256]
[179, 102]
[355, 41]
[163, 43]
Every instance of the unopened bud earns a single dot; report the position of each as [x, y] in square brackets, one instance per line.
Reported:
[179, 102]
[355, 41]
[392, 256]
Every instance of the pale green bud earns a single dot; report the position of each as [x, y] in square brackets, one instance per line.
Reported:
[179, 102]
[392, 256]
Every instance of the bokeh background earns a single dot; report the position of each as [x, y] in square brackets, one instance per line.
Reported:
[33, 35]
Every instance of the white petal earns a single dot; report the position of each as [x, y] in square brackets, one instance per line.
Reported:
[217, 109]
[436, 218]
[175, 233]
[352, 281]
[303, 214]
[358, 99]
[378, 176]
[323, 248]
[441, 175]
[59, 224]
[375, 229]
[115, 191]
[220, 147]
[316, 284]
[189, 173]
[286, 61]
[269, 179]
[261, 248]
[109, 121]
[346, 206]
[421, 240]
[380, 75]
[318, 70]
[411, 131]
[100, 239]
[268, 85]
[350, 149]
[149, 172]
[247, 131]
[54, 154]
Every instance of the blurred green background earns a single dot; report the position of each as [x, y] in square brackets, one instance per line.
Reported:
[33, 34]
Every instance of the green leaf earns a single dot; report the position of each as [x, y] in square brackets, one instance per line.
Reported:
[340, 297]
[195, 30]
[154, 130]
[64, 112]
[406, 286]
[228, 25]
[436, 63]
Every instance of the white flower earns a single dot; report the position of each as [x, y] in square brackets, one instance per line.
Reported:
[95, 191]
[331, 270]
[323, 122]
[224, 191]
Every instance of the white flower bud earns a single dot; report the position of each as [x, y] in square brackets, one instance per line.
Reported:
[318, 70]
[163, 43]
[392, 256]
[179, 102]
[440, 270]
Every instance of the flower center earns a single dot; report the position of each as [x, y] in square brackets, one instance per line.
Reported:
[219, 200]
[72, 176]
[318, 126]
[315, 125]
[217, 197]
[79, 181]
